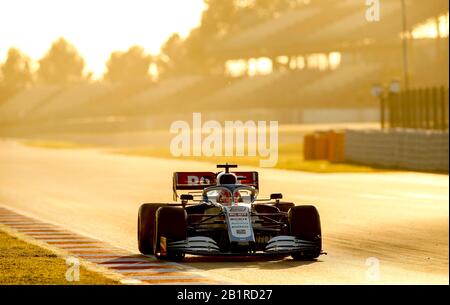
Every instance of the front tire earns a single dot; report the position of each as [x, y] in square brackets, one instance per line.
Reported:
[171, 224]
[304, 223]
[146, 227]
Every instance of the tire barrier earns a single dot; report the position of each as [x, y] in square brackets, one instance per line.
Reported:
[413, 149]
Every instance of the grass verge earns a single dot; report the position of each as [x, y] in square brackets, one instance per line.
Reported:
[22, 263]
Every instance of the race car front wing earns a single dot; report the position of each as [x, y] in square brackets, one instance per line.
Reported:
[279, 245]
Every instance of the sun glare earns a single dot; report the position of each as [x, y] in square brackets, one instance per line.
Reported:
[96, 28]
[432, 28]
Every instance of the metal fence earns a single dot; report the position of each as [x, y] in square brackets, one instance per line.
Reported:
[425, 108]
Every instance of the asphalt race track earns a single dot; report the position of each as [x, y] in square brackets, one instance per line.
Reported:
[397, 221]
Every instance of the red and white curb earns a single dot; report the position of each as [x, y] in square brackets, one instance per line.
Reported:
[128, 267]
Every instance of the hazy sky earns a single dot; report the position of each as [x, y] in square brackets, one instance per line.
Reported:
[95, 27]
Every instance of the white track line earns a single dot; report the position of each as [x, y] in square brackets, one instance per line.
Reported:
[25, 230]
[126, 265]
[57, 236]
[54, 237]
[112, 255]
[182, 283]
[88, 249]
[62, 240]
[111, 252]
[168, 277]
[105, 262]
[15, 223]
[83, 246]
[149, 270]
[15, 218]
[33, 233]
[34, 225]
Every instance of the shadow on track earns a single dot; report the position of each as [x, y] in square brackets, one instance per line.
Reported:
[241, 262]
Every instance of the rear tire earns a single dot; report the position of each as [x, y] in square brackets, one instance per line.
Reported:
[284, 206]
[304, 222]
[171, 223]
[146, 227]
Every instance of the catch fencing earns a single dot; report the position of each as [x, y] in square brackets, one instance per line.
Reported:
[422, 108]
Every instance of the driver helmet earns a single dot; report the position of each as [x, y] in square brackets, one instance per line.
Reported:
[238, 197]
[225, 197]
[226, 178]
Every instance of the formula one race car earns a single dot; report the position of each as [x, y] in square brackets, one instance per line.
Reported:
[227, 219]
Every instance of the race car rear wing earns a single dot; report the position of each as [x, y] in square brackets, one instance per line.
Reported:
[201, 180]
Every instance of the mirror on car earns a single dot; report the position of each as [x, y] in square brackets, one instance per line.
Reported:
[186, 197]
[276, 196]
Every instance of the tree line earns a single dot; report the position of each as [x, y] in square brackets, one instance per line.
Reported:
[63, 64]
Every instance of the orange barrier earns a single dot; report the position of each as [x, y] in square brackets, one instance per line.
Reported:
[332, 146]
[336, 146]
[308, 147]
[340, 146]
[321, 146]
[324, 146]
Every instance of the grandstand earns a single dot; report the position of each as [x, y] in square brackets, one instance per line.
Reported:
[21, 105]
[148, 100]
[298, 89]
[326, 26]
[347, 79]
[43, 104]
[111, 102]
[369, 53]
[68, 100]
[193, 96]
[235, 93]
